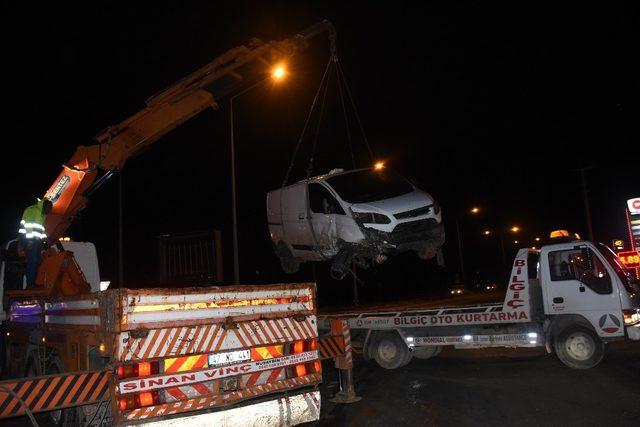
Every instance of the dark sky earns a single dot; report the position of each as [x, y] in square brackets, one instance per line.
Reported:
[488, 104]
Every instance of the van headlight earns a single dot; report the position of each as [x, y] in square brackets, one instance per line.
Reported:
[631, 317]
[371, 218]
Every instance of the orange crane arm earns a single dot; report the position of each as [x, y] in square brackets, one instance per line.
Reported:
[163, 112]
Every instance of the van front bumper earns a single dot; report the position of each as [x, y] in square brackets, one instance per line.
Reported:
[406, 236]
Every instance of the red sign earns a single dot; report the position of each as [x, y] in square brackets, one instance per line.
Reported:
[631, 259]
[634, 206]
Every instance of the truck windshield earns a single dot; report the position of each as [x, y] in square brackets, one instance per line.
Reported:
[368, 186]
[630, 283]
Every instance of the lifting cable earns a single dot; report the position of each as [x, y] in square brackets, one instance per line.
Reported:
[319, 124]
[355, 110]
[343, 87]
[306, 123]
[346, 119]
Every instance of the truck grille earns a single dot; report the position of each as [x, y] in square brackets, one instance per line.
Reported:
[414, 212]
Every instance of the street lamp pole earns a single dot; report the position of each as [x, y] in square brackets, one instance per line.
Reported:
[462, 278]
[474, 210]
[234, 198]
[277, 74]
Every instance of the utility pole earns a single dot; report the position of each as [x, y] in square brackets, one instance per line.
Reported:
[585, 196]
[120, 235]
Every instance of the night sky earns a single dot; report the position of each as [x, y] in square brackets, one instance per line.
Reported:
[488, 105]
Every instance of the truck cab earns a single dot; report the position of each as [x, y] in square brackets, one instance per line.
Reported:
[589, 298]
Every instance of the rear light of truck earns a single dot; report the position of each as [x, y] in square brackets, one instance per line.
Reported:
[140, 400]
[141, 369]
[306, 368]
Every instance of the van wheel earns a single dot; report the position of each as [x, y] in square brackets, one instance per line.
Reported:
[289, 264]
[390, 352]
[426, 352]
[579, 348]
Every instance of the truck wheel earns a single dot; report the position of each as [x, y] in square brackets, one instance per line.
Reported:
[62, 417]
[289, 264]
[390, 352]
[426, 352]
[579, 348]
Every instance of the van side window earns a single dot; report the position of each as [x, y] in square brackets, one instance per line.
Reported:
[582, 265]
[322, 201]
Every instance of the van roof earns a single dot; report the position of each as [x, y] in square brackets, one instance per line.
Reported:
[333, 172]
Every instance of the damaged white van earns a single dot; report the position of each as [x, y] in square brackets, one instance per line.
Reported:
[362, 215]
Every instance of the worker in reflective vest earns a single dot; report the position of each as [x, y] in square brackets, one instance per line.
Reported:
[32, 234]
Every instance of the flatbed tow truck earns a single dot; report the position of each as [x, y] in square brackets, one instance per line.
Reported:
[239, 355]
[571, 296]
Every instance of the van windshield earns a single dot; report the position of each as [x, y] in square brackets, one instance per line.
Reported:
[368, 186]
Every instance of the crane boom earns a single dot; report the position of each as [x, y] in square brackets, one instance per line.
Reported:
[90, 166]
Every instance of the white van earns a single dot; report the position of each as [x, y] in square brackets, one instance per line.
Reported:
[360, 215]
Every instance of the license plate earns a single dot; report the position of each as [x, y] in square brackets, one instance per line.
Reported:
[230, 357]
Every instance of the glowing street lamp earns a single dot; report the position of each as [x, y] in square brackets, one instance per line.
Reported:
[515, 229]
[378, 166]
[475, 210]
[278, 73]
[487, 232]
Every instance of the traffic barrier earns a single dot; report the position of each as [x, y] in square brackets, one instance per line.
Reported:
[49, 392]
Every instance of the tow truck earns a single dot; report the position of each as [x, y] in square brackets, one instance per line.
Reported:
[198, 356]
[571, 296]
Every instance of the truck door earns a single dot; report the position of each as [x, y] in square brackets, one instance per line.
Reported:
[578, 281]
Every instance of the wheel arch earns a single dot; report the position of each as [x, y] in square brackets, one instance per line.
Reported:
[561, 322]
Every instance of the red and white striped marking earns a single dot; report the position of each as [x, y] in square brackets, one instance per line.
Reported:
[346, 334]
[220, 399]
[214, 338]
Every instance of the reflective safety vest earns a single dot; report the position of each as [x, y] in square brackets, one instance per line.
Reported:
[32, 224]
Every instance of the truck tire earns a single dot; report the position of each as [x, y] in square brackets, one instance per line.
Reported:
[62, 417]
[579, 347]
[426, 352]
[289, 264]
[389, 351]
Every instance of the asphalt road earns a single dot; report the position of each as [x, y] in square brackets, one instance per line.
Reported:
[491, 387]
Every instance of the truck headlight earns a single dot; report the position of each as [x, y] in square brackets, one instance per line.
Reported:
[631, 317]
[371, 218]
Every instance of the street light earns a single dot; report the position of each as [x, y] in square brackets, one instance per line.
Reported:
[515, 229]
[474, 210]
[277, 74]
